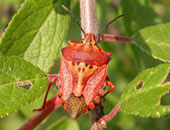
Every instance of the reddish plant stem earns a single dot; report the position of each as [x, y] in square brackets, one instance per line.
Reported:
[108, 37]
[112, 113]
[38, 117]
[110, 116]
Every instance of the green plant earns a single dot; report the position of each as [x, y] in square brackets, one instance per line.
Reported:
[31, 45]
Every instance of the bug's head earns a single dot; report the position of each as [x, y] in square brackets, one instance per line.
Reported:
[89, 39]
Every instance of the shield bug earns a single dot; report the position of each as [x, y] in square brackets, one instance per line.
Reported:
[82, 79]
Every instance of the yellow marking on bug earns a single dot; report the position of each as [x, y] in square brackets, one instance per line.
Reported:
[80, 75]
[81, 72]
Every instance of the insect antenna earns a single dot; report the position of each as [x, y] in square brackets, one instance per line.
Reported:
[107, 25]
[73, 16]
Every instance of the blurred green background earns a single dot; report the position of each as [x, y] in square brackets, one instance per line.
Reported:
[127, 62]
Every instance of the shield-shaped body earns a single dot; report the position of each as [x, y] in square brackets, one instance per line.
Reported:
[83, 72]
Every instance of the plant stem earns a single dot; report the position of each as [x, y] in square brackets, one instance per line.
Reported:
[88, 16]
[89, 23]
[38, 117]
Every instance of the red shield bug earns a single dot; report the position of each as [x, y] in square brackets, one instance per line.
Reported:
[82, 79]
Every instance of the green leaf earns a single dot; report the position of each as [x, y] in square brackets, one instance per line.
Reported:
[11, 1]
[143, 95]
[136, 11]
[155, 41]
[36, 32]
[20, 84]
[64, 124]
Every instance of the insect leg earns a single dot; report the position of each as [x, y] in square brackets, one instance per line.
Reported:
[72, 42]
[51, 78]
[110, 85]
[108, 37]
